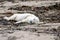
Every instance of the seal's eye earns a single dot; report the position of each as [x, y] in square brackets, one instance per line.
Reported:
[31, 22]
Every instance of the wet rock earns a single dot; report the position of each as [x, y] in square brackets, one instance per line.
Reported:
[12, 38]
[4, 22]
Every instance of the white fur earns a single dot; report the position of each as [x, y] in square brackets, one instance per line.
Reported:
[23, 18]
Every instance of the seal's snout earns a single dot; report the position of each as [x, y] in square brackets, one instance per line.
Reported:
[6, 18]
